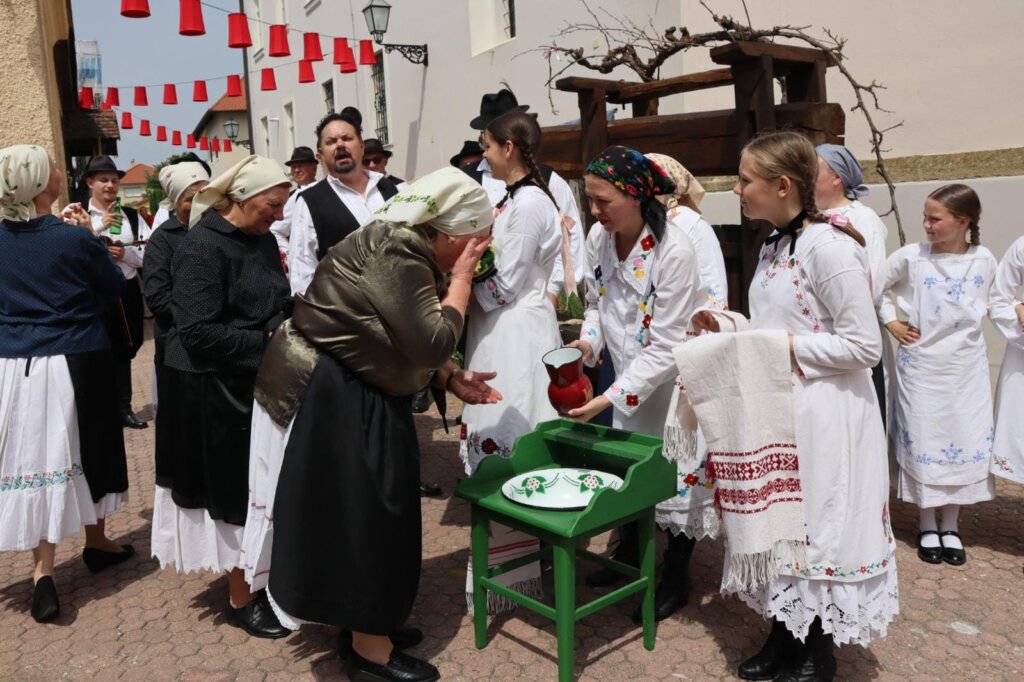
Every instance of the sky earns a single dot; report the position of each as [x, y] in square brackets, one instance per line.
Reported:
[151, 52]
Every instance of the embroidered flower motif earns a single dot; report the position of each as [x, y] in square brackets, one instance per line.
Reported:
[638, 262]
[691, 479]
[639, 273]
[647, 321]
[489, 447]
[463, 432]
[632, 400]
[647, 243]
[829, 572]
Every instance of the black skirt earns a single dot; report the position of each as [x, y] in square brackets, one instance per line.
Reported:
[347, 528]
[167, 399]
[207, 441]
[100, 433]
[124, 322]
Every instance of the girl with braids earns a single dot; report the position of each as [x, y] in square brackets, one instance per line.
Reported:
[511, 324]
[812, 281]
[936, 294]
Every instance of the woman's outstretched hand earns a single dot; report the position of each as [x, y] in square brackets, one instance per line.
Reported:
[588, 351]
[472, 387]
[465, 266]
[595, 407]
[705, 321]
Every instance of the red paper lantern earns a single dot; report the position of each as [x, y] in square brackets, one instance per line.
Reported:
[113, 98]
[306, 72]
[348, 60]
[86, 99]
[311, 51]
[340, 45]
[126, 120]
[199, 92]
[215, 145]
[227, 146]
[141, 100]
[144, 128]
[161, 133]
[234, 86]
[204, 143]
[366, 54]
[135, 9]
[191, 18]
[176, 137]
[105, 107]
[238, 30]
[190, 141]
[170, 94]
[267, 80]
[278, 41]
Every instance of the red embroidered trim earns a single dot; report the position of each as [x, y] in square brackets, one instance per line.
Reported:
[757, 469]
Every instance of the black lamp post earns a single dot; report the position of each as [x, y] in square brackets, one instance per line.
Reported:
[377, 13]
[231, 129]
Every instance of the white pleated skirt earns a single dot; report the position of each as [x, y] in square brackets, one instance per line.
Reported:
[189, 540]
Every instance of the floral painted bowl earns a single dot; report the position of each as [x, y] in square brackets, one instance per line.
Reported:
[558, 488]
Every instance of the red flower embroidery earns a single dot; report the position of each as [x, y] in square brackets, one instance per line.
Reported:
[885, 562]
[829, 571]
[863, 569]
[489, 447]
[647, 321]
[632, 400]
[691, 479]
[647, 243]
[463, 432]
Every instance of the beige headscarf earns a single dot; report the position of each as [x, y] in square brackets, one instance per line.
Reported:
[24, 173]
[688, 192]
[244, 180]
[447, 199]
[179, 177]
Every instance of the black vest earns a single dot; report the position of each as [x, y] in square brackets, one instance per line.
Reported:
[332, 221]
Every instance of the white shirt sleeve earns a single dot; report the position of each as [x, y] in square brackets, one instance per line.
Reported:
[1006, 294]
[896, 294]
[590, 331]
[712, 266]
[302, 246]
[282, 229]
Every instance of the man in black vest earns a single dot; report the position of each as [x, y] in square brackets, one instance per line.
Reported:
[335, 207]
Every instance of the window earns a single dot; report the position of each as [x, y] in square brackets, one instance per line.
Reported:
[509, 14]
[289, 128]
[256, 26]
[493, 22]
[380, 97]
[328, 87]
[265, 129]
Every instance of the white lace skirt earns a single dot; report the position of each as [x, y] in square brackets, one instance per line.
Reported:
[110, 503]
[854, 613]
[43, 492]
[926, 496]
[189, 540]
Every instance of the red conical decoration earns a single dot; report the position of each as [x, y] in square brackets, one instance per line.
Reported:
[278, 41]
[340, 45]
[176, 137]
[199, 92]
[141, 100]
[306, 72]
[190, 141]
[204, 143]
[86, 99]
[366, 54]
[105, 107]
[234, 86]
[348, 60]
[135, 9]
[267, 80]
[161, 133]
[215, 145]
[227, 146]
[311, 51]
[113, 98]
[238, 30]
[170, 94]
[144, 128]
[191, 18]
[126, 120]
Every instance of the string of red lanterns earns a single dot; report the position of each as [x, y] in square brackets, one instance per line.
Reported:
[203, 143]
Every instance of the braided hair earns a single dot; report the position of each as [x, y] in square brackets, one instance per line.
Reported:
[962, 202]
[523, 132]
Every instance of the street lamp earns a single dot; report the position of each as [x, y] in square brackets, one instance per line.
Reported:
[377, 13]
[231, 129]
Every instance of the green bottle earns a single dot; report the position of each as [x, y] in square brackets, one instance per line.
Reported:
[115, 225]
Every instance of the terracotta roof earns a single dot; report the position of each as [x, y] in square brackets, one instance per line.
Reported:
[137, 174]
[225, 103]
[80, 124]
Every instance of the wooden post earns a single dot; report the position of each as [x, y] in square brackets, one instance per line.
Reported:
[593, 135]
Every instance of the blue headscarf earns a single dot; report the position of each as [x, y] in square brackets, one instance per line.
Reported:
[841, 160]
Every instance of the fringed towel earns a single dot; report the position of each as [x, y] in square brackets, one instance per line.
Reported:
[740, 388]
[505, 545]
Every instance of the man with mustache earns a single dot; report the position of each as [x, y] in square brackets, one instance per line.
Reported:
[333, 208]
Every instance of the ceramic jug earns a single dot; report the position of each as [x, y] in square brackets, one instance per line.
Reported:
[569, 388]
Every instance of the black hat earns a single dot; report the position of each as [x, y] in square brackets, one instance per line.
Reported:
[353, 116]
[469, 148]
[101, 164]
[493, 105]
[372, 145]
[301, 155]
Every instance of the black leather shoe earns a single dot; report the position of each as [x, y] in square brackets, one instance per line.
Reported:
[816, 662]
[402, 638]
[400, 668]
[428, 490]
[97, 559]
[951, 555]
[45, 605]
[933, 555]
[779, 650]
[129, 419]
[673, 592]
[627, 551]
[257, 618]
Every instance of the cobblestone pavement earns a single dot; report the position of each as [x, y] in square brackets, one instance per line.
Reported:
[138, 622]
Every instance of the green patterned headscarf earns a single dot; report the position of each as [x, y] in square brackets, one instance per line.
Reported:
[447, 199]
[24, 173]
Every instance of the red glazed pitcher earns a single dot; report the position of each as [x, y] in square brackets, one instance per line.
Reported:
[569, 388]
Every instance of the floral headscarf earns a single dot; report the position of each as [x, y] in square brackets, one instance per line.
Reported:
[24, 173]
[631, 172]
[446, 199]
[688, 191]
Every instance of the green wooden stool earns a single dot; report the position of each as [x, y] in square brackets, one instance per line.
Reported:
[648, 478]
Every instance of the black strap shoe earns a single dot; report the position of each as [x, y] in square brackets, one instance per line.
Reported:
[428, 490]
[779, 651]
[932, 555]
[257, 618]
[402, 638]
[401, 667]
[952, 555]
[45, 605]
[98, 559]
[131, 420]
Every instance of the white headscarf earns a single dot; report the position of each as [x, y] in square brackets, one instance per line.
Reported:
[179, 177]
[689, 191]
[24, 173]
[244, 180]
[447, 199]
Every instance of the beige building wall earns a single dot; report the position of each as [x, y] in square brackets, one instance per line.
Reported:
[31, 111]
[220, 162]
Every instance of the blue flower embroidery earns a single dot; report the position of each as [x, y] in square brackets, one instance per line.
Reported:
[930, 282]
[952, 453]
[956, 288]
[979, 280]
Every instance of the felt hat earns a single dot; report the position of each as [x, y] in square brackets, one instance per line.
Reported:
[469, 148]
[493, 105]
[301, 155]
[101, 164]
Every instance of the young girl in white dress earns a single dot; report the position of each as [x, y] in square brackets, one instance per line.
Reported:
[642, 287]
[812, 281]
[1008, 315]
[936, 294]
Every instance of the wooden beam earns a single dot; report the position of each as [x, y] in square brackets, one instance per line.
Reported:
[581, 84]
[741, 51]
[690, 82]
